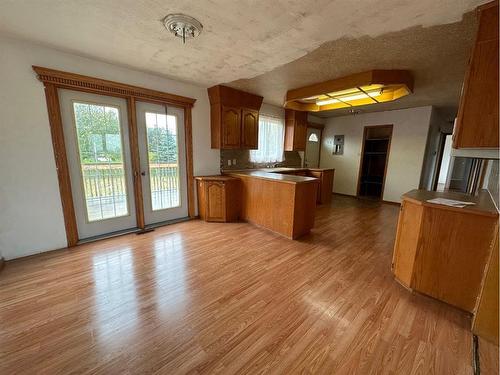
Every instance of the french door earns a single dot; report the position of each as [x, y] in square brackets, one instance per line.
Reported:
[98, 152]
[163, 162]
[99, 159]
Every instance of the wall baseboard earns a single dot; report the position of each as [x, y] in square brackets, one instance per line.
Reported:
[360, 198]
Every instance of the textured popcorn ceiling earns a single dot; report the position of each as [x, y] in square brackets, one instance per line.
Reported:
[264, 40]
[437, 57]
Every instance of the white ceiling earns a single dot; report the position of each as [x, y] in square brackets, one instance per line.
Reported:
[240, 40]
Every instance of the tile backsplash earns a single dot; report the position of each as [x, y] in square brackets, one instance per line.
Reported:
[242, 158]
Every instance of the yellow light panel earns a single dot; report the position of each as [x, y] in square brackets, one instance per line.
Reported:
[370, 87]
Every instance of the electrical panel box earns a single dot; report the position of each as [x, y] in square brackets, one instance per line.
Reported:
[338, 145]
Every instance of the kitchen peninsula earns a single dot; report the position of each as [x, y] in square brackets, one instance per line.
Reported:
[280, 199]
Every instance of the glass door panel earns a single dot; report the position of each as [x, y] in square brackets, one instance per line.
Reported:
[101, 159]
[97, 147]
[163, 159]
[163, 162]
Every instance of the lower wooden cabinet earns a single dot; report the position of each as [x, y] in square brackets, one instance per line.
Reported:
[218, 198]
[325, 186]
[442, 251]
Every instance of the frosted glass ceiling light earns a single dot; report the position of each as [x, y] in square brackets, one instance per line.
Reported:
[182, 26]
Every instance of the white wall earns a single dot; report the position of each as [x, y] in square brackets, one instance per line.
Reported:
[272, 110]
[406, 153]
[31, 219]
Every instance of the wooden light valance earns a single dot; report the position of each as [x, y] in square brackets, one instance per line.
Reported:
[371, 87]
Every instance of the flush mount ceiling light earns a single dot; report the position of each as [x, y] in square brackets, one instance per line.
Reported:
[182, 26]
[372, 87]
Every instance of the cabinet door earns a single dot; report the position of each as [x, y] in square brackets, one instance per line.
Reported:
[477, 122]
[300, 135]
[250, 129]
[452, 255]
[231, 127]
[216, 201]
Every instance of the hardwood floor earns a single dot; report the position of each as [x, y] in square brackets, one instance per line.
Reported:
[199, 297]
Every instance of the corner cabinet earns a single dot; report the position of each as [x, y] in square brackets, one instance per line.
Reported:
[295, 130]
[477, 120]
[234, 118]
[218, 198]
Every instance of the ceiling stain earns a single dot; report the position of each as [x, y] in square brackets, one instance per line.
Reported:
[437, 57]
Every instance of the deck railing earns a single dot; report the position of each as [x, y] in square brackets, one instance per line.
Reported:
[108, 179]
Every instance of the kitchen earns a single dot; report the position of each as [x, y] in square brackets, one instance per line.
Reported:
[268, 188]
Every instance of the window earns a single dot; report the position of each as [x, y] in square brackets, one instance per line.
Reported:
[271, 140]
[313, 138]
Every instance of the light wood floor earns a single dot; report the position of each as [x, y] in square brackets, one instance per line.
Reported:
[231, 298]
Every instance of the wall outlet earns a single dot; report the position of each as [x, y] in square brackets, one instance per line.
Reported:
[229, 162]
[234, 161]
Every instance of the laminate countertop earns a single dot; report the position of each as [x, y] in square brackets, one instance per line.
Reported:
[276, 174]
[484, 205]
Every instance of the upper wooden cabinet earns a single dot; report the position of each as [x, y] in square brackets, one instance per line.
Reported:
[249, 129]
[231, 127]
[295, 130]
[477, 121]
[234, 118]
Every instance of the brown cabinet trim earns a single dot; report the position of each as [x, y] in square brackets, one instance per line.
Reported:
[54, 80]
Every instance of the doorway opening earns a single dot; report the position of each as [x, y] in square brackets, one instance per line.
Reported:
[374, 159]
[443, 162]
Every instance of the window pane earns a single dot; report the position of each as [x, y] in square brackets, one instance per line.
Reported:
[313, 138]
[101, 158]
[163, 155]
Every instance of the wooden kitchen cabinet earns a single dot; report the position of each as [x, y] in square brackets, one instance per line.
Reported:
[485, 323]
[325, 186]
[231, 127]
[442, 251]
[234, 118]
[218, 198]
[477, 120]
[249, 129]
[295, 130]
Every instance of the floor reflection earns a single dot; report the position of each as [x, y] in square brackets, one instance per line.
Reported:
[170, 274]
[115, 292]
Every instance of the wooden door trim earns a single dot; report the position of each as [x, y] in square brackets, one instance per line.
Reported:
[188, 139]
[62, 167]
[365, 130]
[54, 80]
[104, 87]
[136, 161]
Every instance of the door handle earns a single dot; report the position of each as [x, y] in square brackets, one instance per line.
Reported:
[143, 173]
